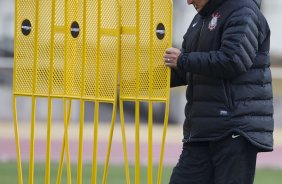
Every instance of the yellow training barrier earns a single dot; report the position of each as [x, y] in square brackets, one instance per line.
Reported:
[66, 49]
[74, 50]
[146, 33]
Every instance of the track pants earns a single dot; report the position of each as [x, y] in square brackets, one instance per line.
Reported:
[231, 160]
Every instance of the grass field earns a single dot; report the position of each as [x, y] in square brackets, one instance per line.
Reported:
[8, 174]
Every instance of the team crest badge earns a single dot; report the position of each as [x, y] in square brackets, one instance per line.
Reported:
[213, 22]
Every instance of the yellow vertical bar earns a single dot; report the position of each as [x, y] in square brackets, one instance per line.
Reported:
[137, 103]
[80, 145]
[150, 143]
[48, 145]
[31, 153]
[16, 131]
[124, 143]
[150, 118]
[67, 142]
[81, 127]
[122, 121]
[63, 147]
[96, 112]
[48, 142]
[109, 144]
[104, 180]
[160, 169]
[66, 120]
[20, 176]
[95, 143]
[137, 142]
[32, 125]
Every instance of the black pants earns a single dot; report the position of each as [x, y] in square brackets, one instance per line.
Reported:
[231, 160]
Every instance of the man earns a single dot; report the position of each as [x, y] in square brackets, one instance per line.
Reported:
[229, 112]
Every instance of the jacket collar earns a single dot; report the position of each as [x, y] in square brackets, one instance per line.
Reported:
[212, 5]
[258, 2]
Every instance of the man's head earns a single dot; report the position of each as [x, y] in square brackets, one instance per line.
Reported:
[198, 4]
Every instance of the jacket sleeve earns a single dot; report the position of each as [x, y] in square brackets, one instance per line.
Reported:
[239, 45]
[178, 78]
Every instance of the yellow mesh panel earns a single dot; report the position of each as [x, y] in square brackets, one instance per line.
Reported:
[59, 50]
[160, 72]
[128, 46]
[108, 68]
[74, 50]
[143, 74]
[144, 34]
[44, 43]
[109, 50]
[24, 49]
[91, 49]
[98, 75]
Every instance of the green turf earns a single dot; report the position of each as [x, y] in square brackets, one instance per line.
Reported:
[116, 174]
[8, 174]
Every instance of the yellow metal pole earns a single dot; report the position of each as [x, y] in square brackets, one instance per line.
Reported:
[96, 111]
[82, 104]
[31, 153]
[104, 180]
[66, 123]
[109, 143]
[20, 175]
[137, 142]
[150, 116]
[60, 170]
[16, 131]
[95, 143]
[137, 102]
[32, 125]
[124, 143]
[65, 145]
[150, 143]
[48, 144]
[160, 169]
[80, 145]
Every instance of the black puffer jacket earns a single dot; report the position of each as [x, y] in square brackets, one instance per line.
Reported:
[225, 62]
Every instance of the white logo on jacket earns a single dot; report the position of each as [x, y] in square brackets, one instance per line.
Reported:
[213, 22]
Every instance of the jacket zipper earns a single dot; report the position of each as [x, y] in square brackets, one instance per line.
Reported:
[191, 77]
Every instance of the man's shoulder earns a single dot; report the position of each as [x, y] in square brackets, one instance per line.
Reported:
[240, 5]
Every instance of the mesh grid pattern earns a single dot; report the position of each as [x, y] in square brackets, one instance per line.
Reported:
[144, 48]
[108, 51]
[67, 76]
[128, 66]
[59, 50]
[91, 49]
[128, 46]
[109, 9]
[108, 66]
[24, 49]
[160, 72]
[74, 52]
[43, 65]
[68, 51]
[151, 67]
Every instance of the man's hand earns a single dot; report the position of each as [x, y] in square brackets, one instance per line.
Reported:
[171, 57]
